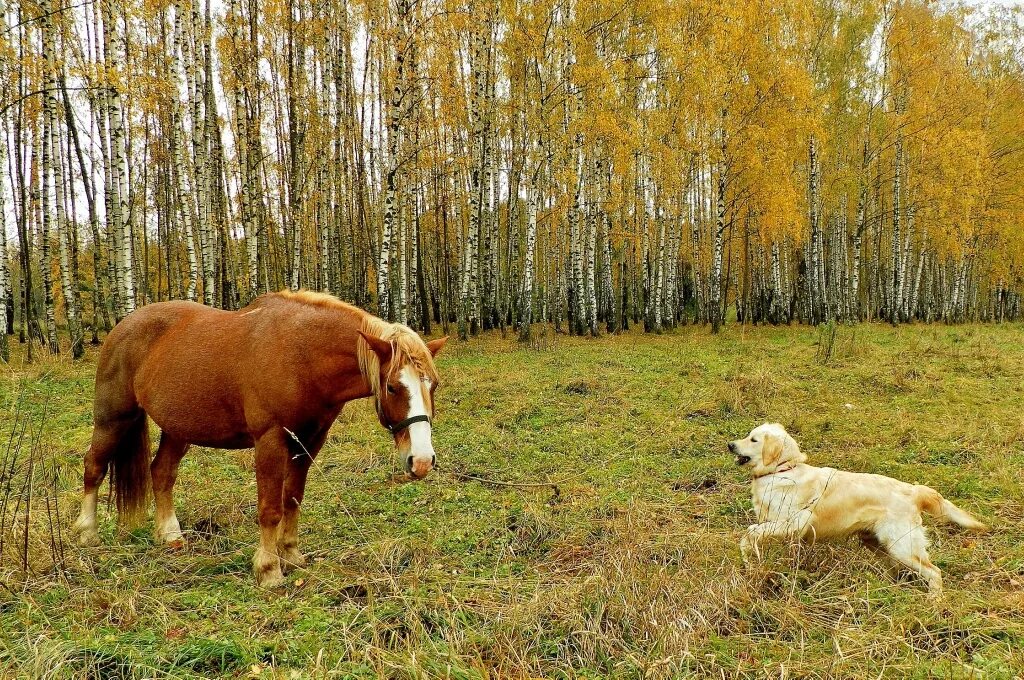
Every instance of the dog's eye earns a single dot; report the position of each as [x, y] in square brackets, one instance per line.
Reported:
[391, 389]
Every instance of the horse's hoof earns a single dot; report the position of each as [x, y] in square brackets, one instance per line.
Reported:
[89, 538]
[87, 534]
[269, 580]
[292, 559]
[170, 539]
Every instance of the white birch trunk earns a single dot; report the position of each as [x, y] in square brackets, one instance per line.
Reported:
[5, 273]
[606, 267]
[715, 310]
[905, 274]
[120, 214]
[912, 304]
[392, 211]
[697, 216]
[403, 267]
[576, 237]
[815, 294]
[118, 142]
[201, 139]
[777, 293]
[182, 193]
[42, 147]
[896, 280]
[657, 304]
[528, 257]
[63, 228]
[470, 286]
[245, 184]
[591, 283]
[858, 235]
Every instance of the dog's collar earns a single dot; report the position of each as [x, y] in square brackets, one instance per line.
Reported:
[777, 471]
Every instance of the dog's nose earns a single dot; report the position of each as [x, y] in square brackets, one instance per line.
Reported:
[732, 447]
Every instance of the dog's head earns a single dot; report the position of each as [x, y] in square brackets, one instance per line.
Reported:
[767, 449]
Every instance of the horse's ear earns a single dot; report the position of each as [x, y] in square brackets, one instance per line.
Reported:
[382, 348]
[435, 346]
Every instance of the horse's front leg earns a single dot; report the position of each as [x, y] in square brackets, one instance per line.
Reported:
[272, 462]
[299, 461]
[165, 471]
[294, 490]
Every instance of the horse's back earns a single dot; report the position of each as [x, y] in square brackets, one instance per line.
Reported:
[139, 345]
[131, 339]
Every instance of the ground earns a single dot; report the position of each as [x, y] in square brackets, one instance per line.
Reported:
[626, 566]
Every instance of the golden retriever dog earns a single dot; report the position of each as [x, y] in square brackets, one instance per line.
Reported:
[796, 501]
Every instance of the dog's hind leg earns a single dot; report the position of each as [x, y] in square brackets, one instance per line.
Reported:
[871, 542]
[907, 544]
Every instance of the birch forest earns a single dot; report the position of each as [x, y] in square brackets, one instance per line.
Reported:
[497, 164]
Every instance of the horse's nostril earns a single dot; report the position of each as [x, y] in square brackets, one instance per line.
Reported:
[732, 446]
[408, 463]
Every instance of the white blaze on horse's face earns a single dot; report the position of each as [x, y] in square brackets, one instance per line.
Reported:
[419, 457]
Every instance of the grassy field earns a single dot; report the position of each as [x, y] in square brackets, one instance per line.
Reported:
[627, 566]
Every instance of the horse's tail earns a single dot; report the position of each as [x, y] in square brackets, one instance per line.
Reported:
[129, 473]
[932, 502]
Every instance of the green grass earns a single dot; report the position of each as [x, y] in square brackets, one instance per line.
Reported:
[630, 570]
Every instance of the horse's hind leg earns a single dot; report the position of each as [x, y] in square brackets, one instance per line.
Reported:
[165, 471]
[106, 437]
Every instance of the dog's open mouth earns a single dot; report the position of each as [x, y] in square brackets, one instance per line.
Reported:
[742, 460]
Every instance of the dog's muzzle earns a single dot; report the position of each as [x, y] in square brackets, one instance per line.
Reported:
[740, 460]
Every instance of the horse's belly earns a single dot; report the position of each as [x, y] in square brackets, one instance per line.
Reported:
[239, 441]
[197, 419]
[204, 431]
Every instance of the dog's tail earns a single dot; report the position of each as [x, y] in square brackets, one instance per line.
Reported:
[932, 502]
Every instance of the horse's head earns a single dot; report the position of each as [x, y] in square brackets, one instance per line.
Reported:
[403, 382]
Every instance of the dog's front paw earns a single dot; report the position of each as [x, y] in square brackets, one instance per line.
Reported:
[748, 545]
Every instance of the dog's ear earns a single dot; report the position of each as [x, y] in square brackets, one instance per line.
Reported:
[791, 451]
[771, 450]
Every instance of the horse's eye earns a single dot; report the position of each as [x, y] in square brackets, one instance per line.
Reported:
[753, 440]
[391, 388]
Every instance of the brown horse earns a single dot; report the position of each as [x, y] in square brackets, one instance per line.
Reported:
[274, 375]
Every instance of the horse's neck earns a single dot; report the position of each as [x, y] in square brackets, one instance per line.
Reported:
[339, 373]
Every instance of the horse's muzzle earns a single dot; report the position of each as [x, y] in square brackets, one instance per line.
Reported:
[419, 467]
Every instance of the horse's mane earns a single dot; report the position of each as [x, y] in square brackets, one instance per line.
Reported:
[407, 348]
[316, 299]
[406, 345]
